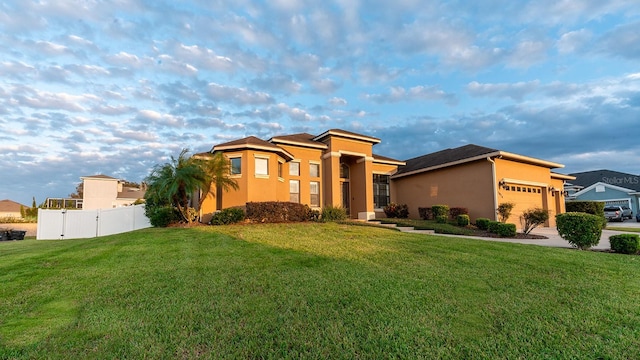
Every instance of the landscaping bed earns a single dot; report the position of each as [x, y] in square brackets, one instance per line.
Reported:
[452, 229]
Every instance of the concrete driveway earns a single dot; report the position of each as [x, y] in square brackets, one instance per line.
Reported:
[554, 239]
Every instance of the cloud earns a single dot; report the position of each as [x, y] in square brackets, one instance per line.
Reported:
[151, 118]
[623, 41]
[237, 96]
[516, 91]
[281, 83]
[416, 93]
[336, 101]
[573, 41]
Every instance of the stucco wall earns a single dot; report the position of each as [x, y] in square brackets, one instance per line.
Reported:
[99, 193]
[469, 185]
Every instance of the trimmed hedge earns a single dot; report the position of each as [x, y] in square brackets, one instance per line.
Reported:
[455, 211]
[393, 210]
[425, 213]
[227, 216]
[438, 210]
[277, 212]
[589, 207]
[625, 243]
[331, 213]
[442, 219]
[482, 223]
[163, 216]
[580, 229]
[492, 227]
[506, 230]
[463, 220]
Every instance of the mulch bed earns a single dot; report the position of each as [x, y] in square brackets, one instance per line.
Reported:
[518, 235]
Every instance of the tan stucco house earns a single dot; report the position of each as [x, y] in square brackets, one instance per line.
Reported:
[335, 168]
[479, 179]
[11, 209]
[105, 192]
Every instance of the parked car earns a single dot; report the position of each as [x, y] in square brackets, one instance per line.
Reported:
[617, 213]
[638, 217]
[627, 212]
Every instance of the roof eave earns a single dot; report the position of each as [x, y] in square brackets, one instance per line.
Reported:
[348, 136]
[445, 165]
[530, 160]
[297, 143]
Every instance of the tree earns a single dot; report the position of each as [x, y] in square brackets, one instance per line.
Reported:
[79, 191]
[217, 169]
[174, 183]
[504, 211]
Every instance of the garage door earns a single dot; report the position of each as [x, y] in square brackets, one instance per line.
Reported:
[525, 197]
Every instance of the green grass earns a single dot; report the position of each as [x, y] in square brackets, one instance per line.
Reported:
[313, 291]
[418, 224]
[622, 228]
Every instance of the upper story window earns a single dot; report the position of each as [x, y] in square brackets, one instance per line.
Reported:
[294, 168]
[344, 171]
[314, 170]
[262, 166]
[236, 165]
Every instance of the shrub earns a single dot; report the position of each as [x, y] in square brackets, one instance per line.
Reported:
[455, 211]
[588, 207]
[425, 213]
[227, 216]
[277, 211]
[504, 211]
[442, 219]
[579, 229]
[331, 213]
[440, 210]
[506, 230]
[482, 223]
[163, 216]
[394, 210]
[492, 227]
[532, 218]
[462, 220]
[625, 243]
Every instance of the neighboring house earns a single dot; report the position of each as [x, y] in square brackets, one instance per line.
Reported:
[610, 187]
[479, 179]
[104, 192]
[335, 168]
[11, 209]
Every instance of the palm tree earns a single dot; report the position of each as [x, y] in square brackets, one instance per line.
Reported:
[177, 181]
[217, 169]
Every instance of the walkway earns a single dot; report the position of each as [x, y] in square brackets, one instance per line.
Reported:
[553, 238]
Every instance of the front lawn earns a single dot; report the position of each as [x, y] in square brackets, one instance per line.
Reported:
[313, 291]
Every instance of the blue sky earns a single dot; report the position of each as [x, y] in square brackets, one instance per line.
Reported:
[115, 87]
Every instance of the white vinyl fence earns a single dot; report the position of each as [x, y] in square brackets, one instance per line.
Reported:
[79, 224]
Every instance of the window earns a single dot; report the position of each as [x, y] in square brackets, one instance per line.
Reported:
[315, 193]
[279, 169]
[344, 171]
[314, 170]
[236, 165]
[380, 191]
[294, 168]
[294, 191]
[262, 166]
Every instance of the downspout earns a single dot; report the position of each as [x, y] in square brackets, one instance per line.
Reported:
[495, 189]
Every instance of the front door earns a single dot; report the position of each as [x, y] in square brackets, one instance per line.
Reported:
[346, 198]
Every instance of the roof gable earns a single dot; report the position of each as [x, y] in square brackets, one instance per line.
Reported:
[7, 205]
[617, 178]
[593, 186]
[302, 139]
[348, 135]
[445, 158]
[253, 143]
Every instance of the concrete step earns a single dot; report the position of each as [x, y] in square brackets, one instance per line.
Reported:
[414, 231]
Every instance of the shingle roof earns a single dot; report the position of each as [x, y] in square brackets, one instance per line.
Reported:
[347, 134]
[252, 142]
[616, 178]
[99, 176]
[249, 140]
[301, 139]
[386, 159]
[7, 205]
[444, 157]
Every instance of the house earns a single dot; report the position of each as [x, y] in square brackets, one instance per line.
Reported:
[105, 192]
[335, 168]
[479, 179]
[610, 187]
[11, 209]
